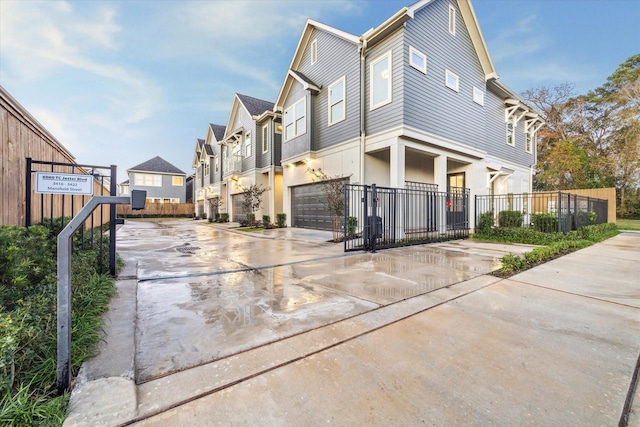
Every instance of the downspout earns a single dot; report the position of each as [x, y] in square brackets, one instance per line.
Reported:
[363, 48]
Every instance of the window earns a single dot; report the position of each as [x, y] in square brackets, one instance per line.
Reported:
[295, 121]
[265, 138]
[337, 101]
[148, 180]
[314, 51]
[206, 170]
[418, 60]
[380, 71]
[478, 96]
[451, 80]
[178, 180]
[510, 139]
[452, 20]
[529, 140]
[217, 163]
[247, 145]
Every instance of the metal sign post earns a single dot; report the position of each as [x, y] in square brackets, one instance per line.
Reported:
[65, 243]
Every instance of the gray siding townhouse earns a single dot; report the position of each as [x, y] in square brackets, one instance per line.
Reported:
[207, 163]
[251, 155]
[163, 182]
[415, 100]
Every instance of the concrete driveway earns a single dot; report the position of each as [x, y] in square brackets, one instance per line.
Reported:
[277, 329]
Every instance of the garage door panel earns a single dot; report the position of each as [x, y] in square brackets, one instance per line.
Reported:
[309, 207]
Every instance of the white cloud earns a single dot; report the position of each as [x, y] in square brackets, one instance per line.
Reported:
[521, 39]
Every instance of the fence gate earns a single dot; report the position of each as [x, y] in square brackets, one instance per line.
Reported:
[382, 217]
[44, 208]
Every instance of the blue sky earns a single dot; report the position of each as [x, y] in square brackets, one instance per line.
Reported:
[120, 82]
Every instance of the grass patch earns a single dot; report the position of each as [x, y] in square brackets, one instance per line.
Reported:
[552, 245]
[628, 224]
[248, 229]
[28, 331]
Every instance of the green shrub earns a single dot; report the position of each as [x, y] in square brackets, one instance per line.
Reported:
[266, 219]
[510, 218]
[251, 219]
[203, 215]
[485, 222]
[545, 222]
[224, 217]
[281, 220]
[352, 224]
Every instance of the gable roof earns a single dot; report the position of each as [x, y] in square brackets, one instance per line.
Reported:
[218, 131]
[200, 142]
[299, 53]
[255, 106]
[157, 164]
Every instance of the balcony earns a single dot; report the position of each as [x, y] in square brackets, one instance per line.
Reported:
[232, 167]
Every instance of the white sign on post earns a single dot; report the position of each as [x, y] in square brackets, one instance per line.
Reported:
[64, 183]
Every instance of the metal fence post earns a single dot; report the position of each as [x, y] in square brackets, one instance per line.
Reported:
[27, 210]
[112, 222]
[373, 218]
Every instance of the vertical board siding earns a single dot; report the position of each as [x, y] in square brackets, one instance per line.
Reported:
[22, 137]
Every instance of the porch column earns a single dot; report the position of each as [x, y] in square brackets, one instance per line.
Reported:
[397, 165]
[272, 194]
[440, 178]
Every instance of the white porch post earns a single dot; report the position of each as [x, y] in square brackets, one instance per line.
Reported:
[440, 178]
[272, 194]
[397, 165]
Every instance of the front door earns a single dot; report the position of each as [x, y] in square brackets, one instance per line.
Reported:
[456, 201]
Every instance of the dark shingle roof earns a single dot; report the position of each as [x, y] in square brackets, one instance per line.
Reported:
[218, 131]
[208, 149]
[255, 106]
[157, 164]
[304, 78]
[200, 142]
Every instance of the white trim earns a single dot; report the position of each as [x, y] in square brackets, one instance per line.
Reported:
[511, 131]
[478, 96]
[314, 51]
[389, 78]
[420, 67]
[343, 98]
[448, 74]
[452, 20]
[529, 140]
[248, 150]
[294, 121]
[265, 138]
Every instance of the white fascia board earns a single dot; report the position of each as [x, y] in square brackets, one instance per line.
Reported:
[480, 45]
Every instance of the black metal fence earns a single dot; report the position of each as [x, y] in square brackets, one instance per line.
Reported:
[45, 208]
[549, 212]
[382, 217]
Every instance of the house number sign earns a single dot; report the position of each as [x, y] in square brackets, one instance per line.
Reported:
[64, 183]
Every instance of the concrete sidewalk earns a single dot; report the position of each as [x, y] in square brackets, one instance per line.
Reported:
[555, 345]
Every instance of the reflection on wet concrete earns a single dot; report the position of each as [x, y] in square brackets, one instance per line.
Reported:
[254, 290]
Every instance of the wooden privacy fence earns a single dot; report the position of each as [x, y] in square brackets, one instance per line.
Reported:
[157, 209]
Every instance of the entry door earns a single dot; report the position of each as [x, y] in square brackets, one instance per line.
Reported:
[456, 201]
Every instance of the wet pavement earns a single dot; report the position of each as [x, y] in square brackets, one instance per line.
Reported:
[206, 292]
[283, 328]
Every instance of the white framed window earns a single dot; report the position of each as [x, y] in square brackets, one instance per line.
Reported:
[510, 134]
[265, 138]
[206, 170]
[337, 101]
[417, 60]
[452, 19]
[247, 145]
[314, 51]
[380, 77]
[217, 163]
[529, 141]
[148, 180]
[179, 180]
[451, 80]
[478, 96]
[295, 120]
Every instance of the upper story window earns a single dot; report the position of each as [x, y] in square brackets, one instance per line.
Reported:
[529, 141]
[510, 133]
[478, 96]
[217, 163]
[265, 138]
[337, 101]
[295, 120]
[179, 180]
[314, 51]
[380, 87]
[148, 180]
[206, 169]
[247, 145]
[452, 20]
[451, 80]
[417, 60]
